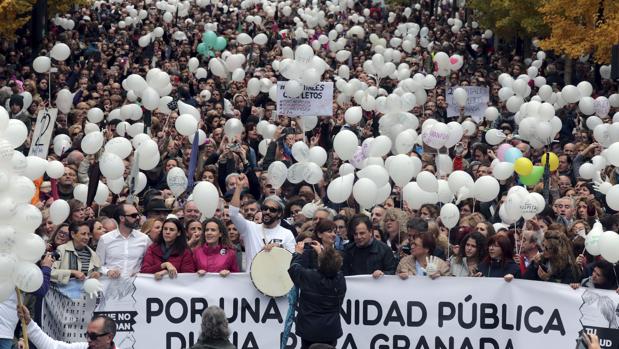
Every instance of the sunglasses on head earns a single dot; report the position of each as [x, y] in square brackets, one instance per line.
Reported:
[95, 336]
[270, 209]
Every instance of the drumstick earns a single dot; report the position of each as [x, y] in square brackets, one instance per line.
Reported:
[24, 325]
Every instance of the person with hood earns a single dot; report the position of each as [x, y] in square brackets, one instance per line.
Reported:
[321, 295]
[214, 330]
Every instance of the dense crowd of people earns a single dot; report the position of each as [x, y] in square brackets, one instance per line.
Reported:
[166, 235]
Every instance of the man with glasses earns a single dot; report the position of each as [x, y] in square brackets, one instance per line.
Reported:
[99, 334]
[263, 236]
[121, 251]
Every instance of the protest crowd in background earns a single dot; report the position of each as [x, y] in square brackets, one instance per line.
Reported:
[513, 191]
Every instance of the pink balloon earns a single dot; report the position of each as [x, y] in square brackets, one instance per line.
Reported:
[500, 153]
[453, 60]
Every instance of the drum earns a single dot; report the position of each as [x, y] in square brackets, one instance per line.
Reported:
[269, 272]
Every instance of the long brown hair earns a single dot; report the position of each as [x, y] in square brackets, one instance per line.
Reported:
[224, 240]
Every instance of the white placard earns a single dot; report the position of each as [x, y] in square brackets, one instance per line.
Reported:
[42, 136]
[476, 103]
[313, 101]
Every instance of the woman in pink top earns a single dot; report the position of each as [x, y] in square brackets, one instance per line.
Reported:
[215, 254]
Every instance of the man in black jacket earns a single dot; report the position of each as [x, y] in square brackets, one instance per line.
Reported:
[321, 295]
[367, 255]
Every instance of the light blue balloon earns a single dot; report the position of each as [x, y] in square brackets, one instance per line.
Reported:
[512, 154]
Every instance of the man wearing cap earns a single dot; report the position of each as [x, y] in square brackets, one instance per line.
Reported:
[265, 236]
[156, 208]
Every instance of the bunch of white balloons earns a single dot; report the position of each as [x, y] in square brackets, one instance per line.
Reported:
[20, 247]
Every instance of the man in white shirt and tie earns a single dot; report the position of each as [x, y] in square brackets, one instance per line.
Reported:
[121, 250]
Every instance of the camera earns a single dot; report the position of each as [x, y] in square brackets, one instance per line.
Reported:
[307, 246]
[234, 146]
[55, 255]
[406, 249]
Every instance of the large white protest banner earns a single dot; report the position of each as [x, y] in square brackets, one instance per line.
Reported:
[475, 313]
[476, 103]
[313, 101]
[46, 119]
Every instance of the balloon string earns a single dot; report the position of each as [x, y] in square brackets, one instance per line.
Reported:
[615, 271]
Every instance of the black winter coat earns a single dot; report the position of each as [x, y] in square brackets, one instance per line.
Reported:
[496, 269]
[366, 260]
[320, 299]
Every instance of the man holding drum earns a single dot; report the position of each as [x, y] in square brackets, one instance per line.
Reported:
[265, 236]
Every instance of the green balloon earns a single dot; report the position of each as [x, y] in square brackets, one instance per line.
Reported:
[202, 48]
[209, 38]
[534, 177]
[220, 43]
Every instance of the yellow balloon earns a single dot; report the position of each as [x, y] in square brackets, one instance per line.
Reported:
[523, 166]
[554, 161]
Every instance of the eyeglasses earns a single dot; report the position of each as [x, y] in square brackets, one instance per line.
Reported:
[270, 209]
[94, 336]
[133, 215]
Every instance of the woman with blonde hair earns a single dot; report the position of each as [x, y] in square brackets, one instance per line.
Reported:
[152, 228]
[394, 226]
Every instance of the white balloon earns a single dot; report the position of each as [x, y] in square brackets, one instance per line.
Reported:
[345, 144]
[592, 241]
[27, 276]
[16, 133]
[206, 197]
[494, 136]
[55, 169]
[35, 167]
[22, 189]
[27, 219]
[300, 151]
[609, 246]
[60, 52]
[353, 115]
[59, 211]
[339, 189]
[612, 197]
[503, 170]
[277, 174]
[380, 146]
[116, 185]
[460, 96]
[148, 155]
[177, 181]
[233, 127]
[450, 215]
[427, 181]
[364, 192]
[186, 125]
[41, 64]
[112, 166]
[318, 155]
[486, 188]
[377, 173]
[120, 146]
[92, 142]
[458, 180]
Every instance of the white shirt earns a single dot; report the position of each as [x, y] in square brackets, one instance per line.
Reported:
[8, 317]
[253, 235]
[120, 253]
[42, 340]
